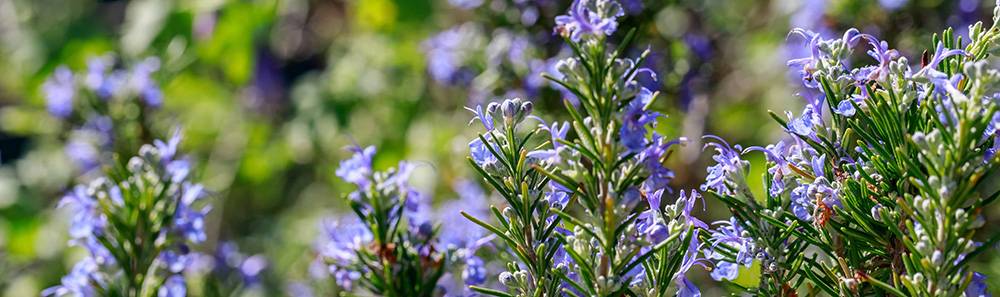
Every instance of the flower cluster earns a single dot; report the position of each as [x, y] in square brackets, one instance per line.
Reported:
[98, 106]
[876, 188]
[228, 271]
[589, 206]
[138, 224]
[389, 247]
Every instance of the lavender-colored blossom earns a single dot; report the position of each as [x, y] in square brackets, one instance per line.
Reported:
[651, 159]
[483, 117]
[725, 270]
[728, 163]
[447, 51]
[100, 81]
[340, 241]
[552, 156]
[882, 54]
[358, 168]
[175, 261]
[635, 120]
[474, 272]
[188, 220]
[590, 18]
[82, 153]
[685, 288]
[940, 53]
[173, 287]
[977, 288]
[730, 233]
[481, 154]
[87, 216]
[143, 84]
[801, 203]
[59, 92]
[77, 282]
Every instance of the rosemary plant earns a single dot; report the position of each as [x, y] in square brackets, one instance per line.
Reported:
[877, 188]
[137, 223]
[387, 249]
[584, 215]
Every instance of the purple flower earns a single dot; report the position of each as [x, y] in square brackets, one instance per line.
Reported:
[728, 163]
[732, 234]
[83, 154]
[685, 287]
[589, 18]
[173, 287]
[801, 203]
[483, 117]
[59, 91]
[552, 156]
[635, 120]
[805, 124]
[228, 259]
[882, 53]
[977, 288]
[358, 168]
[481, 154]
[448, 50]
[845, 108]
[77, 282]
[98, 79]
[143, 83]
[174, 261]
[652, 161]
[87, 216]
[340, 240]
[189, 221]
[474, 272]
[725, 270]
[940, 53]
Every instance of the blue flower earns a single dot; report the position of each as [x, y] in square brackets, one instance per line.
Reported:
[730, 233]
[143, 83]
[77, 282]
[474, 272]
[845, 108]
[87, 216]
[228, 260]
[358, 168]
[189, 221]
[59, 91]
[635, 119]
[805, 124]
[725, 270]
[173, 287]
[341, 239]
[940, 53]
[977, 288]
[652, 161]
[728, 165]
[99, 81]
[483, 117]
[82, 153]
[481, 154]
[552, 156]
[685, 287]
[882, 53]
[589, 18]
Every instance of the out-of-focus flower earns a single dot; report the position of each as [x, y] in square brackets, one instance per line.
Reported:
[59, 92]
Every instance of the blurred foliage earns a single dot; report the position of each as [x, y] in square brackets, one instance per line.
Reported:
[270, 91]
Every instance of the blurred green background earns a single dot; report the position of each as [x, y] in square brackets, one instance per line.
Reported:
[270, 91]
